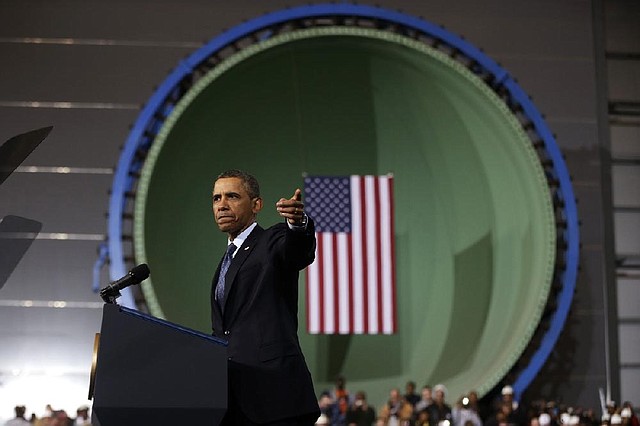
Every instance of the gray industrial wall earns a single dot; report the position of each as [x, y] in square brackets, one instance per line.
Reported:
[85, 67]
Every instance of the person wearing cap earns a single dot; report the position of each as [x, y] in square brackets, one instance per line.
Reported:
[507, 396]
[516, 415]
[439, 411]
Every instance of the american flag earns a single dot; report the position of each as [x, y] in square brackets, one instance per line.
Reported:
[351, 284]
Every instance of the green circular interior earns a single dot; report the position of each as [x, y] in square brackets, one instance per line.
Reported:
[474, 224]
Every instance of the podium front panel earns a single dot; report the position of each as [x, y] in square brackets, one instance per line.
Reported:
[151, 371]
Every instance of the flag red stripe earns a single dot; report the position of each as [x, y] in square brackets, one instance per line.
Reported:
[336, 279]
[376, 186]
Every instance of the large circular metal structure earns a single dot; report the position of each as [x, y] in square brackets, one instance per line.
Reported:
[486, 228]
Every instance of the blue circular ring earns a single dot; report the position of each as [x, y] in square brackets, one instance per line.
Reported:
[146, 126]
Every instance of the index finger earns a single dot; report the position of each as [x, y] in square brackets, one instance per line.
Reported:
[297, 195]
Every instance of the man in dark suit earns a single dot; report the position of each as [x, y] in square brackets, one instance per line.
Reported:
[254, 305]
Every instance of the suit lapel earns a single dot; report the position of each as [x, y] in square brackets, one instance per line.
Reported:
[238, 260]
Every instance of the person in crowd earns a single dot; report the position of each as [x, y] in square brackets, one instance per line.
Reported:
[338, 416]
[82, 416]
[507, 397]
[516, 415]
[341, 397]
[482, 410]
[628, 414]
[463, 415]
[421, 418]
[426, 399]
[439, 410]
[588, 417]
[254, 304]
[323, 420]
[55, 418]
[410, 394]
[502, 416]
[326, 404]
[360, 412]
[397, 411]
[19, 419]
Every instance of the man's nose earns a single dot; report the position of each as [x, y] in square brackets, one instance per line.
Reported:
[222, 204]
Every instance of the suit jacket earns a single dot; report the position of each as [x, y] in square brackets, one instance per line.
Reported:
[268, 375]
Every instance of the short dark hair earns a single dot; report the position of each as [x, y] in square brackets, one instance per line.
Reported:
[250, 182]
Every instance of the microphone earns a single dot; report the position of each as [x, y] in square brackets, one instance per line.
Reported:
[136, 275]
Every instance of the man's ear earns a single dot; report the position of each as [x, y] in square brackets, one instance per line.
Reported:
[257, 205]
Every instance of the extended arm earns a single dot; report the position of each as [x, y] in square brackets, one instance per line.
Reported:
[300, 240]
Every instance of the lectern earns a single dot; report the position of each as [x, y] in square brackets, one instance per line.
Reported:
[148, 371]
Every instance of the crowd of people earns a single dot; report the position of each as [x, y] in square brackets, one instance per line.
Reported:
[51, 417]
[431, 408]
[428, 408]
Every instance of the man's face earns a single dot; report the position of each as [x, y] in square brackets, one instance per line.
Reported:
[426, 394]
[233, 209]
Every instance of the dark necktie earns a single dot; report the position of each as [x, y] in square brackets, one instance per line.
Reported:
[228, 256]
